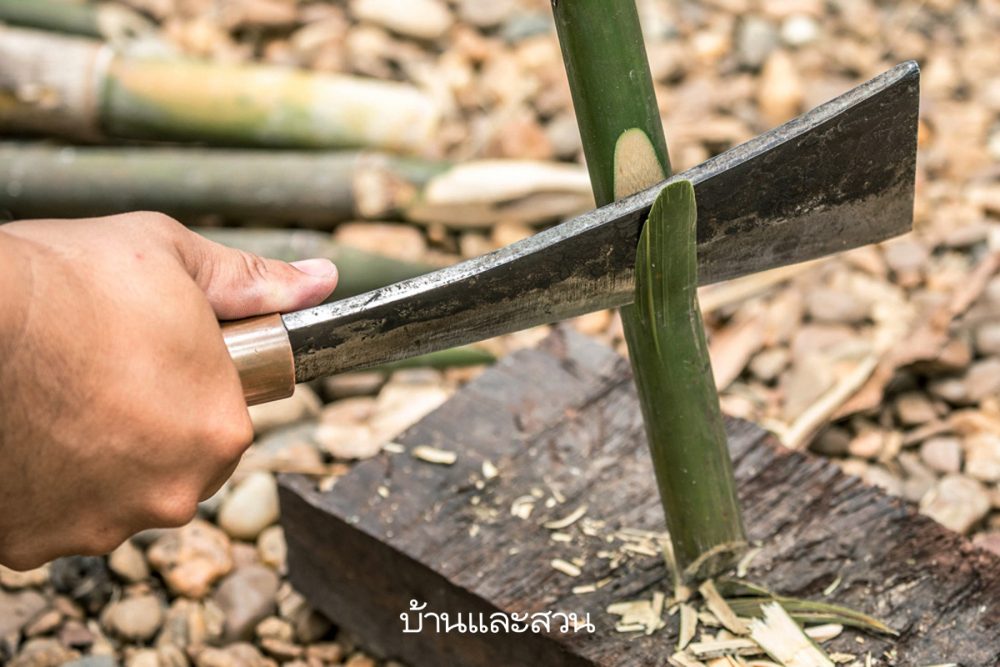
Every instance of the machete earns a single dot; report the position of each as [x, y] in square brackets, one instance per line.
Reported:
[835, 178]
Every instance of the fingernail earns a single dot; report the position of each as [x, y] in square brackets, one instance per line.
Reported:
[320, 268]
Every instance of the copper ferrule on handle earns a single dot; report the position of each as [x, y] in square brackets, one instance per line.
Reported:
[263, 356]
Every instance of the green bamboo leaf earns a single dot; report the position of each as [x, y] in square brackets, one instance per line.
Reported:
[811, 612]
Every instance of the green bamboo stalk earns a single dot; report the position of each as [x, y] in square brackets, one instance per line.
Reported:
[360, 271]
[626, 151]
[77, 18]
[133, 96]
[317, 188]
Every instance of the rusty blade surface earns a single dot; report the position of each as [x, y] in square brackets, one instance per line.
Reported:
[838, 177]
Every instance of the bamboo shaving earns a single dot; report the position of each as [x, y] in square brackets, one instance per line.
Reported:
[785, 641]
[689, 626]
[744, 565]
[640, 615]
[721, 609]
[590, 588]
[434, 455]
[489, 470]
[834, 585]
[565, 567]
[568, 520]
[684, 660]
[393, 448]
[522, 507]
[561, 537]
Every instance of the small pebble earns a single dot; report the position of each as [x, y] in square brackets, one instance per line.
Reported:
[942, 453]
[250, 507]
[956, 502]
[136, 618]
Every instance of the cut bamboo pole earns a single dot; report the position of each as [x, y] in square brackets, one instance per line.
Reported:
[98, 92]
[104, 20]
[626, 151]
[316, 187]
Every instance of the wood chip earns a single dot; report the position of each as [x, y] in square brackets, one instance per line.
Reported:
[567, 568]
[568, 520]
[721, 609]
[434, 455]
[785, 641]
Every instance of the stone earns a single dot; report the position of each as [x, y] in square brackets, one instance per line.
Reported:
[85, 579]
[832, 441]
[906, 257]
[942, 453]
[768, 364]
[867, 444]
[982, 457]
[402, 404]
[281, 649]
[803, 384]
[192, 558]
[14, 580]
[191, 623]
[952, 390]
[246, 597]
[521, 137]
[420, 19]
[309, 625]
[18, 609]
[96, 661]
[234, 655]
[348, 441]
[359, 660]
[75, 634]
[799, 30]
[988, 338]
[250, 507]
[957, 503]
[272, 549]
[756, 38]
[564, 136]
[129, 563]
[919, 478]
[43, 652]
[44, 624]
[349, 385]
[914, 408]
[136, 618]
[779, 94]
[146, 657]
[273, 627]
[326, 652]
[398, 241]
[988, 541]
[878, 476]
[486, 13]
[983, 379]
[301, 405]
[832, 305]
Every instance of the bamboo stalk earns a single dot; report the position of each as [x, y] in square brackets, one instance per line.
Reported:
[103, 20]
[360, 271]
[133, 96]
[318, 188]
[626, 151]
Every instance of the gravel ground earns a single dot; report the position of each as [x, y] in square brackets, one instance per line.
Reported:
[907, 333]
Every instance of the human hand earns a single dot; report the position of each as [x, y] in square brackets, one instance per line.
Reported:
[120, 408]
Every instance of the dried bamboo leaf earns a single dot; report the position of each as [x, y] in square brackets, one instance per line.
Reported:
[783, 639]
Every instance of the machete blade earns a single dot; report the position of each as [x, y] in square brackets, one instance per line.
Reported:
[835, 178]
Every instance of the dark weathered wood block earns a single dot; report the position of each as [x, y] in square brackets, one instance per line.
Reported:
[563, 420]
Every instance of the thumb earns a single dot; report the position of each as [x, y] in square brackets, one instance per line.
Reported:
[239, 284]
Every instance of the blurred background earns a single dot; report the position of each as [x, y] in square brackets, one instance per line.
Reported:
[396, 136]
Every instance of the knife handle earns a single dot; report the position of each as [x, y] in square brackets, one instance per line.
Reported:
[263, 356]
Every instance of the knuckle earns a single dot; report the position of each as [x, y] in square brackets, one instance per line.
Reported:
[175, 509]
[257, 268]
[229, 438]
